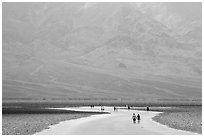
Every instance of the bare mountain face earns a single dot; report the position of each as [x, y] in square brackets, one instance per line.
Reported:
[99, 50]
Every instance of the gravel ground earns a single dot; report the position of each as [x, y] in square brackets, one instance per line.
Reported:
[27, 124]
[188, 119]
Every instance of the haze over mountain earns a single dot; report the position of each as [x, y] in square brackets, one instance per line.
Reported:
[111, 50]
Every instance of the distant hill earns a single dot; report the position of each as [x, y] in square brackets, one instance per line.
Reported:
[99, 50]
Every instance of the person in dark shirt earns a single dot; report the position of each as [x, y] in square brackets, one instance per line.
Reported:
[138, 117]
[147, 108]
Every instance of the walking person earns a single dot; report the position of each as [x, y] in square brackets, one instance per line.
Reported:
[138, 117]
[134, 117]
[102, 108]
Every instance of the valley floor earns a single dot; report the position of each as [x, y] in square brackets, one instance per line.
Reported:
[27, 121]
[27, 124]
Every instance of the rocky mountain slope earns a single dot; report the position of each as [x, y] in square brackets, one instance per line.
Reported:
[99, 50]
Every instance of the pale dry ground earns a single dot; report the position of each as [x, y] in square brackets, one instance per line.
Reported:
[188, 118]
[116, 123]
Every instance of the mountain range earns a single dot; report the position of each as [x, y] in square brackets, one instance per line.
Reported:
[88, 50]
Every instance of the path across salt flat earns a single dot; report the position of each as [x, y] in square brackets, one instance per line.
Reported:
[115, 123]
